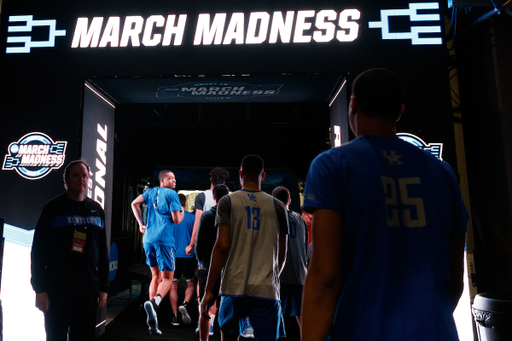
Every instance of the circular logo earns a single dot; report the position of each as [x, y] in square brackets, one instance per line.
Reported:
[34, 155]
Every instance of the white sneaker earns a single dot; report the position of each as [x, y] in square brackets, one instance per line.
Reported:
[248, 331]
[151, 319]
[185, 317]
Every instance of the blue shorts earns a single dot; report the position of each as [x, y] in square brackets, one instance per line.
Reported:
[161, 256]
[291, 299]
[266, 317]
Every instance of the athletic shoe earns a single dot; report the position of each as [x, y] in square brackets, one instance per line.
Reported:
[185, 317]
[197, 329]
[175, 321]
[151, 319]
[211, 330]
[248, 331]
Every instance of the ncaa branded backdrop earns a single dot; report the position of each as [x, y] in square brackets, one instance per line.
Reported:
[49, 49]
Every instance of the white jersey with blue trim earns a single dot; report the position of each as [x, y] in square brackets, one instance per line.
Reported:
[256, 221]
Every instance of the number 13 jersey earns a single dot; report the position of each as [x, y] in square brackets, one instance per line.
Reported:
[256, 221]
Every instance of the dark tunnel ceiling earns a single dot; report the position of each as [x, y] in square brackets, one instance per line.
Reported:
[281, 88]
[287, 129]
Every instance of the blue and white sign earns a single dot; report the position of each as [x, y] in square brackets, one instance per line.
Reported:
[435, 148]
[114, 261]
[414, 16]
[27, 41]
[218, 91]
[34, 156]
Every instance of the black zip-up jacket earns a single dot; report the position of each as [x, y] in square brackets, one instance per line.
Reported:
[55, 267]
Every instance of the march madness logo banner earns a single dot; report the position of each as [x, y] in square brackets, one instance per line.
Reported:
[34, 156]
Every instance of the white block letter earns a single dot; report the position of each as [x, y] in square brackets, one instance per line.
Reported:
[351, 26]
[281, 27]
[132, 29]
[111, 32]
[205, 33]
[254, 37]
[178, 30]
[85, 36]
[321, 24]
[154, 20]
[235, 29]
[301, 25]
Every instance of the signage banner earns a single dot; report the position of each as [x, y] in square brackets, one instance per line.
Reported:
[35, 155]
[166, 28]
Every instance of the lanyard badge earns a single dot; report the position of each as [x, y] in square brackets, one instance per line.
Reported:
[78, 244]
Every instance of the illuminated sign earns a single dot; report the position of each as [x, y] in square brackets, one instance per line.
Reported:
[414, 16]
[263, 26]
[435, 148]
[97, 181]
[337, 136]
[218, 91]
[113, 262]
[34, 155]
[27, 40]
[89, 35]
[290, 27]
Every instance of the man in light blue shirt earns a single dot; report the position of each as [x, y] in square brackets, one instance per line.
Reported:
[164, 212]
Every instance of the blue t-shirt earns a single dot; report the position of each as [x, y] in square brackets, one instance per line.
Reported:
[182, 234]
[161, 202]
[400, 207]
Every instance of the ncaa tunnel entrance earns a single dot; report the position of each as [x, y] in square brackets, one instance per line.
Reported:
[192, 124]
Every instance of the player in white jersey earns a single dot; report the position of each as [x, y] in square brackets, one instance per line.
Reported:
[204, 201]
[250, 251]
[294, 273]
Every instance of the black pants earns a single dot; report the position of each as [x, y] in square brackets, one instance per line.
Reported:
[75, 313]
[203, 278]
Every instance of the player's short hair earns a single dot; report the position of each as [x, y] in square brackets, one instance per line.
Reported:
[379, 93]
[252, 164]
[183, 199]
[162, 174]
[219, 191]
[218, 175]
[282, 193]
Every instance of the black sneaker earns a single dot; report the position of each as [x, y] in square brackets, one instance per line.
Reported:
[185, 317]
[151, 320]
[175, 321]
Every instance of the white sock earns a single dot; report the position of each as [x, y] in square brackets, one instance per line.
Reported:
[158, 299]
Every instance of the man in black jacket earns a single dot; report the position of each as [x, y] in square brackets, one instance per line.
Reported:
[205, 240]
[70, 260]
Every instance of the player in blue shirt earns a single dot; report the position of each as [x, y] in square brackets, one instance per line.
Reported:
[388, 230]
[164, 212]
[186, 264]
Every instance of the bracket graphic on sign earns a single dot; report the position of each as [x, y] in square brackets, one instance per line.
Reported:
[412, 13]
[27, 41]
